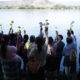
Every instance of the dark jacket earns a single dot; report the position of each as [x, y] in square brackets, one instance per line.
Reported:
[59, 49]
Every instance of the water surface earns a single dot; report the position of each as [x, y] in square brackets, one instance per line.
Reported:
[29, 20]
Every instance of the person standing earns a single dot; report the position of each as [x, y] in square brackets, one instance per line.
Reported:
[69, 60]
[12, 64]
[59, 49]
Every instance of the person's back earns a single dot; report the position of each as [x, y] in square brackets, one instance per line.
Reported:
[10, 61]
[67, 49]
[59, 49]
[69, 64]
[11, 65]
[10, 70]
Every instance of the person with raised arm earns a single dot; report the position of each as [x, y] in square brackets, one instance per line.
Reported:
[69, 53]
[51, 61]
[59, 50]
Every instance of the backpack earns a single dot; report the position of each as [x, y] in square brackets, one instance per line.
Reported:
[73, 55]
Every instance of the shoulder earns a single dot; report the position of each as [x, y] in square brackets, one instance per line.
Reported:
[12, 48]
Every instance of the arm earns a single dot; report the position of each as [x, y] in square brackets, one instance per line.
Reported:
[24, 32]
[56, 34]
[10, 30]
[63, 52]
[41, 34]
[18, 40]
[46, 35]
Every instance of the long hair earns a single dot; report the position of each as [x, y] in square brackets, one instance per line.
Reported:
[4, 43]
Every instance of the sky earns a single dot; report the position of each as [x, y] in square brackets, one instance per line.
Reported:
[9, 0]
[65, 2]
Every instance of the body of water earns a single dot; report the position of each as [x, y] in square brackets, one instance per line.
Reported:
[29, 20]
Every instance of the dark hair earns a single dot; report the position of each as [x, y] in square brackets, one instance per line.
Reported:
[12, 36]
[50, 41]
[26, 38]
[61, 37]
[4, 43]
[32, 38]
[72, 32]
[69, 40]
[40, 43]
[68, 33]
[13, 39]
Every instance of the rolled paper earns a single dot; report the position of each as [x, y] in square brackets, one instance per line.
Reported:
[0, 24]
[72, 22]
[12, 21]
[46, 20]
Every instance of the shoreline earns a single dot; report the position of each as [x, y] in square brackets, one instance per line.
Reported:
[55, 7]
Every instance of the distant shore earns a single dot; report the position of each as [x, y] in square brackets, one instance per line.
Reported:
[61, 7]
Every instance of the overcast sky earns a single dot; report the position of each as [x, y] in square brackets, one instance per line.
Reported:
[66, 2]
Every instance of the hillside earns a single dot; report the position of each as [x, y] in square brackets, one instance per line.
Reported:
[33, 4]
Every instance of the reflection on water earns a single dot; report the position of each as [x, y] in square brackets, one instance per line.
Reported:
[29, 20]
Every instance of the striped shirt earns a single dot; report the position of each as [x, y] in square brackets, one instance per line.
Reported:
[11, 70]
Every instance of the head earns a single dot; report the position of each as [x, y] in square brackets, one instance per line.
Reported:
[50, 41]
[60, 37]
[40, 42]
[69, 33]
[69, 40]
[25, 38]
[72, 32]
[13, 38]
[32, 39]
[4, 43]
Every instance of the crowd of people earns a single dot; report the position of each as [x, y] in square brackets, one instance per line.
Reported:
[39, 57]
